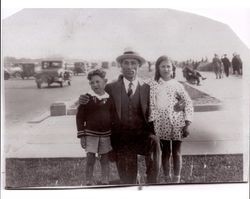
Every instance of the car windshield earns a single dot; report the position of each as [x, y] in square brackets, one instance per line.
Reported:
[54, 64]
[79, 64]
[28, 65]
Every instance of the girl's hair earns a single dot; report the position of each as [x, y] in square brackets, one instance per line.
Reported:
[98, 72]
[157, 66]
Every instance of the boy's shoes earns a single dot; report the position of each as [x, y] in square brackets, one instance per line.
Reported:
[90, 182]
[105, 181]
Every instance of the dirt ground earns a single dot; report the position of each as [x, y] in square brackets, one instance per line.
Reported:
[53, 172]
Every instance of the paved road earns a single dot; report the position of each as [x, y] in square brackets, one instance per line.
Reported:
[23, 101]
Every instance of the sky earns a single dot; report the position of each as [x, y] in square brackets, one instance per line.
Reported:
[235, 13]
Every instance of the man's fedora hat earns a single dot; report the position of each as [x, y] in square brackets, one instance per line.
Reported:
[130, 54]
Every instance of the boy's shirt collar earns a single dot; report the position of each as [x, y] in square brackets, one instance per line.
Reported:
[100, 97]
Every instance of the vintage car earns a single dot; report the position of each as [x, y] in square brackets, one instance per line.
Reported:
[94, 65]
[105, 64]
[80, 67]
[53, 71]
[23, 70]
[6, 74]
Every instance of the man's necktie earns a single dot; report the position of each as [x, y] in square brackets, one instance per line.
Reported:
[130, 91]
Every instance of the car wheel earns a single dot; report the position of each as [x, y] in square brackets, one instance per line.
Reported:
[61, 84]
[18, 75]
[69, 83]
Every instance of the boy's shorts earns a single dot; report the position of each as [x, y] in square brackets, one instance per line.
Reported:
[98, 144]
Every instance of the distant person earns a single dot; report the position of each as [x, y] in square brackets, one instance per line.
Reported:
[217, 66]
[226, 64]
[170, 126]
[174, 71]
[192, 76]
[236, 64]
[94, 121]
[240, 64]
[197, 75]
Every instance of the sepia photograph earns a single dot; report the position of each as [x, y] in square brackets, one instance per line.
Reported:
[116, 97]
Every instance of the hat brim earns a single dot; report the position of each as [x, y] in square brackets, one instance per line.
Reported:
[129, 56]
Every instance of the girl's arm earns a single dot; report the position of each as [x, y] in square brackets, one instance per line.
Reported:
[188, 110]
[152, 105]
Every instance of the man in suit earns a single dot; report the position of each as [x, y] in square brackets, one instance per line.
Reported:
[237, 64]
[226, 64]
[132, 134]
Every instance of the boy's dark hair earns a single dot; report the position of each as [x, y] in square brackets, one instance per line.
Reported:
[98, 72]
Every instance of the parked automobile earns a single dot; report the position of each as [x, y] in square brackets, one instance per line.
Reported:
[27, 70]
[6, 74]
[15, 71]
[79, 67]
[113, 63]
[93, 65]
[53, 71]
[105, 64]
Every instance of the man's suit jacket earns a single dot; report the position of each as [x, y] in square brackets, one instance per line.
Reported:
[114, 89]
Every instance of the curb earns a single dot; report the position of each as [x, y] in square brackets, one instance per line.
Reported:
[40, 118]
[59, 111]
[63, 108]
[207, 107]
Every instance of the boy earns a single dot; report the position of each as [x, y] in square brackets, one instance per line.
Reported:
[94, 125]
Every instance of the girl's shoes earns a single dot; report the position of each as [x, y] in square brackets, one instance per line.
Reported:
[176, 179]
[168, 179]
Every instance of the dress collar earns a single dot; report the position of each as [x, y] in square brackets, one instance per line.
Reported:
[161, 81]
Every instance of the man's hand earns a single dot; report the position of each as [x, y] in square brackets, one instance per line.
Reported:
[83, 142]
[180, 105]
[83, 99]
[185, 131]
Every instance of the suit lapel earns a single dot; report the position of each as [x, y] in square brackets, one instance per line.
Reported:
[143, 92]
[117, 95]
[143, 99]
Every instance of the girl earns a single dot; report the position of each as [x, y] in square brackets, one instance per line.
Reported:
[170, 124]
[94, 125]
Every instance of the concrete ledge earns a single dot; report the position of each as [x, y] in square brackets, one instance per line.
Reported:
[63, 108]
[71, 111]
[40, 118]
[58, 109]
[207, 107]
